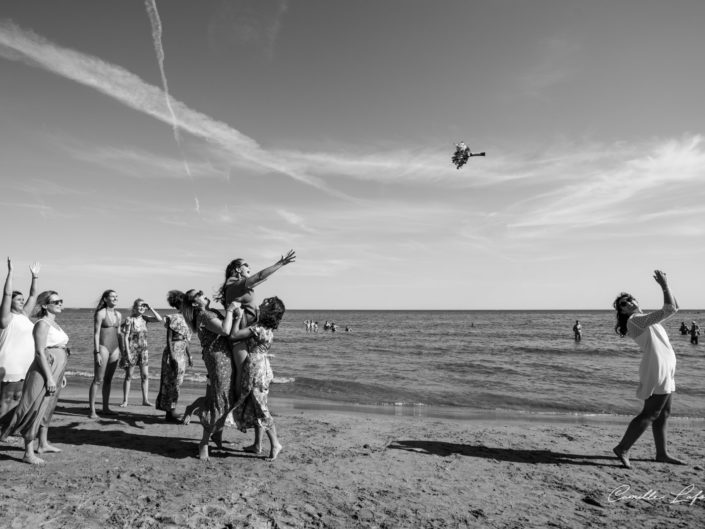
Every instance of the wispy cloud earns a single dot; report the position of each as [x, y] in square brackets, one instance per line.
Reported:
[20, 45]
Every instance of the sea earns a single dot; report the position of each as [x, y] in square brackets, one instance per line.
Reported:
[445, 363]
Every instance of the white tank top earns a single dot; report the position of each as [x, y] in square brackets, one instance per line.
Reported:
[16, 348]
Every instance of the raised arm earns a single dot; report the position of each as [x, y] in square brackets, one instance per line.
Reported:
[155, 315]
[41, 330]
[259, 277]
[31, 301]
[670, 306]
[668, 298]
[6, 306]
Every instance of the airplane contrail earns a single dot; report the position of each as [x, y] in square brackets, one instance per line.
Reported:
[156, 22]
[124, 86]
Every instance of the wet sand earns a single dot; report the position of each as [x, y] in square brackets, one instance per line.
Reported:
[349, 468]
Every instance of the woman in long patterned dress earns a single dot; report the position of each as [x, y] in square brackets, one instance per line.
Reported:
[174, 359]
[252, 409]
[43, 382]
[212, 332]
[239, 286]
[135, 350]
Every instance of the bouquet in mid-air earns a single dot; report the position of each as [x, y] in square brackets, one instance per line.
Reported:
[462, 154]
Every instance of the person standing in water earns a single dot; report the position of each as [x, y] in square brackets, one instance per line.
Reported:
[577, 331]
[106, 339]
[656, 371]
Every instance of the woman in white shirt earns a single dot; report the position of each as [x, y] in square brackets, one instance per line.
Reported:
[43, 383]
[656, 371]
[16, 342]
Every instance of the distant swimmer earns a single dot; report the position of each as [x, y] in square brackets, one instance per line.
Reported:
[577, 331]
[684, 328]
[694, 333]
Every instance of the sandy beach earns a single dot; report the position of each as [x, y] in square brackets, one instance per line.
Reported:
[349, 469]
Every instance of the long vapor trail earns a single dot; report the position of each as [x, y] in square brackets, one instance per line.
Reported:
[156, 22]
[123, 86]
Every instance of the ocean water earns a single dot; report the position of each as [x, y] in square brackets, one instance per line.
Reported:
[523, 361]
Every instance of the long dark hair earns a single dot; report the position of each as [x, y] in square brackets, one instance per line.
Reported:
[622, 319]
[102, 303]
[272, 317]
[229, 272]
[174, 298]
[188, 310]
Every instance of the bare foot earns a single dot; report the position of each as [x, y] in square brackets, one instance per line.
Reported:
[252, 449]
[203, 452]
[274, 452]
[124, 404]
[146, 403]
[186, 419]
[669, 459]
[93, 415]
[48, 448]
[108, 411]
[32, 460]
[623, 456]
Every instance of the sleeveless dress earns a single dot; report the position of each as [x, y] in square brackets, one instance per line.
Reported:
[252, 409]
[220, 388]
[173, 376]
[16, 348]
[36, 407]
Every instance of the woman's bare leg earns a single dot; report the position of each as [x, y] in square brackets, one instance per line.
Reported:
[653, 407]
[275, 445]
[126, 387]
[44, 446]
[144, 373]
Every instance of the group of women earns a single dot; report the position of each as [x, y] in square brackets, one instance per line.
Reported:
[235, 346]
[33, 357]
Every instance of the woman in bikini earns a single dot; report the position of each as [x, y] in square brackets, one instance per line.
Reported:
[106, 337]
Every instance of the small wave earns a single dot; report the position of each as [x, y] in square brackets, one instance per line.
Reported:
[283, 380]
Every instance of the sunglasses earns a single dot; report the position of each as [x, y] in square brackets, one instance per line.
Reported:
[142, 306]
[624, 302]
[56, 302]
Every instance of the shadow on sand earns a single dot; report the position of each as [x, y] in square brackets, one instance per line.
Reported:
[514, 455]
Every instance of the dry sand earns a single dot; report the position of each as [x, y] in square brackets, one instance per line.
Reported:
[347, 469]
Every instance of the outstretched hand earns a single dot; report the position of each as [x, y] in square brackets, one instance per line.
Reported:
[288, 258]
[660, 277]
[34, 269]
[9, 264]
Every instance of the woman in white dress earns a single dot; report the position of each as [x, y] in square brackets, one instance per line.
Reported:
[656, 371]
[43, 383]
[16, 342]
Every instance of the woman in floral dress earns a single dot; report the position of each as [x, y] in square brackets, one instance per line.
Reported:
[135, 350]
[252, 410]
[175, 357]
[212, 332]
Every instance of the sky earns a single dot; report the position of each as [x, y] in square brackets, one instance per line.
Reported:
[141, 150]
